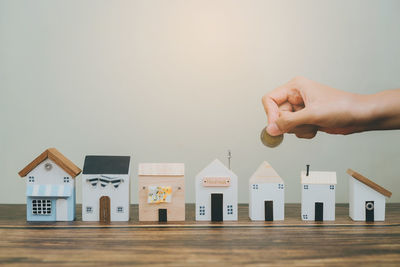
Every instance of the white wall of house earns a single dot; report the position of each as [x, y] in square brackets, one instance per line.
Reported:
[317, 193]
[359, 193]
[54, 176]
[266, 192]
[203, 193]
[119, 197]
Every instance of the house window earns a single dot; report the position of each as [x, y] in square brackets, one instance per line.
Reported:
[202, 210]
[331, 187]
[31, 179]
[305, 216]
[66, 179]
[41, 207]
[280, 186]
[229, 209]
[306, 186]
[120, 209]
[255, 186]
[89, 209]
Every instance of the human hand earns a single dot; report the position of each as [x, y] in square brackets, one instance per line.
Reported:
[304, 107]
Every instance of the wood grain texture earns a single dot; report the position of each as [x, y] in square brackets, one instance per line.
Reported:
[55, 156]
[175, 209]
[291, 242]
[369, 183]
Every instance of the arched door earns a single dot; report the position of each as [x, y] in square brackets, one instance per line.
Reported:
[105, 209]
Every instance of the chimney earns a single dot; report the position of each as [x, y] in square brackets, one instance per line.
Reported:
[308, 169]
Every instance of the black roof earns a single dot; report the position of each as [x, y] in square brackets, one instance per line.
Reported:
[106, 165]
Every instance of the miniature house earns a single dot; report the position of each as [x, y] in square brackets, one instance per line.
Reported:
[318, 195]
[266, 192]
[50, 187]
[216, 193]
[366, 199]
[106, 188]
[161, 192]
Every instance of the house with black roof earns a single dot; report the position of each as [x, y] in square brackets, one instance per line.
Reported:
[106, 188]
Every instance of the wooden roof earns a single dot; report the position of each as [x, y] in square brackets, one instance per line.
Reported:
[265, 174]
[161, 169]
[369, 183]
[55, 156]
[318, 177]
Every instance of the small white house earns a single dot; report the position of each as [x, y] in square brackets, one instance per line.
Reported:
[106, 188]
[367, 200]
[266, 192]
[318, 195]
[216, 193]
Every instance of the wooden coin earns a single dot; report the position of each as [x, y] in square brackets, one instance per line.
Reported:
[269, 140]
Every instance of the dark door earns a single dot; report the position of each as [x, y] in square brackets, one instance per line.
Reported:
[162, 215]
[369, 211]
[104, 209]
[216, 207]
[269, 210]
[319, 211]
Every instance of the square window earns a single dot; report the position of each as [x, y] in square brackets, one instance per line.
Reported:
[120, 209]
[255, 186]
[41, 207]
[280, 186]
[331, 187]
[66, 179]
[89, 209]
[305, 216]
[306, 186]
[31, 179]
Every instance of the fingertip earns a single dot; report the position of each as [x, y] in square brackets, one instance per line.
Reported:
[273, 129]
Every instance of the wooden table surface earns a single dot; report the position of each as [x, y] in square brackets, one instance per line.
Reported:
[291, 242]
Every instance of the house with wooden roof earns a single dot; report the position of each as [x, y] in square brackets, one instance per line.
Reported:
[50, 187]
[367, 200]
[161, 192]
[106, 188]
[318, 195]
[266, 194]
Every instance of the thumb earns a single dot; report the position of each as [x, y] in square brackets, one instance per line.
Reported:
[289, 120]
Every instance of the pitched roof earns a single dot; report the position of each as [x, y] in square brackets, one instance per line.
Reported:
[265, 174]
[55, 156]
[216, 168]
[318, 177]
[162, 169]
[369, 183]
[106, 165]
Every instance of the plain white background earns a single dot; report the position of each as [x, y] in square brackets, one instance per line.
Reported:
[182, 81]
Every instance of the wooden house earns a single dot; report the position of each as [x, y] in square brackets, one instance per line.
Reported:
[161, 192]
[266, 195]
[216, 193]
[50, 187]
[106, 188]
[318, 195]
[367, 200]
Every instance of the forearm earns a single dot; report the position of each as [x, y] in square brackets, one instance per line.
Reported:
[381, 111]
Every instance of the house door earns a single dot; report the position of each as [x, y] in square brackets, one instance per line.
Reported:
[319, 211]
[369, 211]
[216, 207]
[61, 209]
[162, 215]
[269, 210]
[105, 209]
